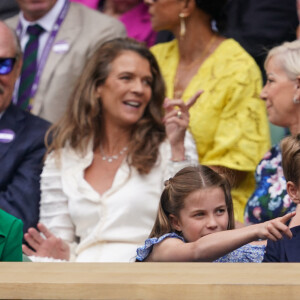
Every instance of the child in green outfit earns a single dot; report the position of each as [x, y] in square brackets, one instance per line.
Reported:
[11, 234]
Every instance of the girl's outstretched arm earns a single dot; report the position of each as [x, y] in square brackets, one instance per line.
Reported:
[212, 246]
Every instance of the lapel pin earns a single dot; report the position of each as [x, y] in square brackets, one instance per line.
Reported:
[61, 47]
[6, 136]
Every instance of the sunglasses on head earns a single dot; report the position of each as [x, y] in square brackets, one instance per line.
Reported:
[6, 65]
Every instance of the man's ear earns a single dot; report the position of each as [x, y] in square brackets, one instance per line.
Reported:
[293, 191]
[175, 222]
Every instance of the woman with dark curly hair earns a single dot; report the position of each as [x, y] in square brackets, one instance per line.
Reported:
[110, 155]
[229, 123]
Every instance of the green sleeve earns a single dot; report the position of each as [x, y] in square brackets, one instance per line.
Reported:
[13, 245]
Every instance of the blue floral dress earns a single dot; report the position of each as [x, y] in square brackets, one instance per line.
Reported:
[270, 199]
[247, 253]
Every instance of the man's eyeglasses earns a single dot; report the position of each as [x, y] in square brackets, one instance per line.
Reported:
[6, 65]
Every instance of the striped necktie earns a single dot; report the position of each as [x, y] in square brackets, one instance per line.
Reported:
[29, 67]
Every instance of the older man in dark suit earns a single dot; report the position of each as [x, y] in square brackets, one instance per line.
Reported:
[21, 140]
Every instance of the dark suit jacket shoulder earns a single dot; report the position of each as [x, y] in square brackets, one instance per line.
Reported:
[21, 161]
[259, 25]
[8, 8]
[11, 233]
[285, 250]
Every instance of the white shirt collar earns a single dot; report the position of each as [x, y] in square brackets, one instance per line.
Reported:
[47, 21]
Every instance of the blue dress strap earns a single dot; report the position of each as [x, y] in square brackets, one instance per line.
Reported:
[144, 251]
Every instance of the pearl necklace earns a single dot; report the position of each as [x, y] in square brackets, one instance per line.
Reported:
[110, 159]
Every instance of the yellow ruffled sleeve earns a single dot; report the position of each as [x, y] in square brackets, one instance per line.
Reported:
[241, 132]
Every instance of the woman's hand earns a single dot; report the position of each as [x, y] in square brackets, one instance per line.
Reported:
[48, 246]
[176, 121]
[276, 228]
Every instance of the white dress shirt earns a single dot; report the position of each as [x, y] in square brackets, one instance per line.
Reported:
[107, 227]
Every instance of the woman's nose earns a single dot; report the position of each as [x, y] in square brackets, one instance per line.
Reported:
[263, 94]
[137, 86]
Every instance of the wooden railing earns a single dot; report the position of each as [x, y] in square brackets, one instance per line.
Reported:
[149, 281]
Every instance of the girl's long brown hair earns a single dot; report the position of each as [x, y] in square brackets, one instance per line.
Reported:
[177, 188]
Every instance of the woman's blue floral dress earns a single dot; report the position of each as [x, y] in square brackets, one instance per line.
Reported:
[270, 199]
[247, 253]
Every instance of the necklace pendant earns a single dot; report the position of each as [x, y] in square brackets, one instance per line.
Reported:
[123, 150]
[110, 159]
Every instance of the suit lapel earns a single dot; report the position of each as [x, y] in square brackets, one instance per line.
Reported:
[11, 120]
[67, 35]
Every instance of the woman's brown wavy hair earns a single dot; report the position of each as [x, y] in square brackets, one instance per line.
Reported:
[82, 122]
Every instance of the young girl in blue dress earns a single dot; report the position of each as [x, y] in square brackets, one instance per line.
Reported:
[194, 223]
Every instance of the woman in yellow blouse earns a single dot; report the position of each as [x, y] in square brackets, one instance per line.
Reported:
[229, 120]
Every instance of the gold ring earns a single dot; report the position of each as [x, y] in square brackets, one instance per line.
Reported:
[179, 114]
